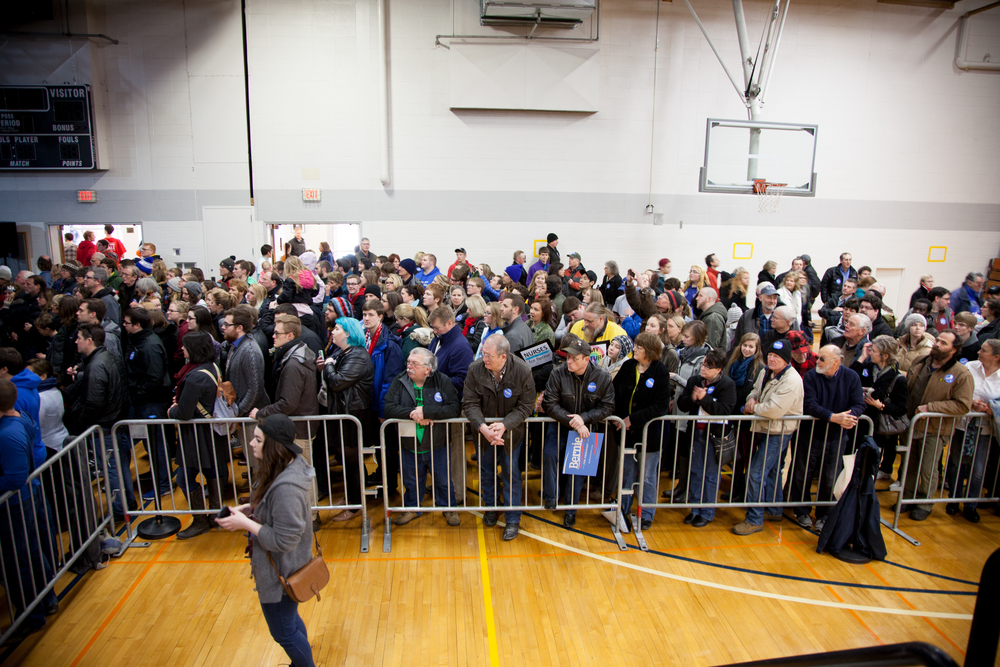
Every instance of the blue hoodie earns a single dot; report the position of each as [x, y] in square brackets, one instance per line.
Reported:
[16, 434]
[28, 403]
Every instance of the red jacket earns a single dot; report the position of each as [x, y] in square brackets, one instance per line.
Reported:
[85, 251]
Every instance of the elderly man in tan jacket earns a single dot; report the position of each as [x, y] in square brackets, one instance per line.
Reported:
[777, 395]
[938, 383]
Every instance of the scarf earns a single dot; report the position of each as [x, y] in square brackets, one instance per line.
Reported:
[973, 301]
[739, 370]
[371, 340]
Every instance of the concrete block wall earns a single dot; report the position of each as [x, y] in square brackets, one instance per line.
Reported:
[906, 156]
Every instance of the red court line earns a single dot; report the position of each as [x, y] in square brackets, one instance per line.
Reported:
[929, 622]
[830, 588]
[118, 607]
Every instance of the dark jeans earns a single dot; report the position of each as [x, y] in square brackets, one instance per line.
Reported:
[26, 558]
[288, 630]
[887, 443]
[968, 470]
[489, 457]
[555, 448]
[415, 468]
[125, 457]
[822, 459]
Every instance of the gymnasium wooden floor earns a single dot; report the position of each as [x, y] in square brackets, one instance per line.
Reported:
[554, 596]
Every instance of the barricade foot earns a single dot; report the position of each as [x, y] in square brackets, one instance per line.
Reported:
[639, 537]
[366, 527]
[387, 535]
[906, 537]
[158, 527]
[619, 538]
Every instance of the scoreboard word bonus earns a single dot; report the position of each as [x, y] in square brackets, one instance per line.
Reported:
[45, 127]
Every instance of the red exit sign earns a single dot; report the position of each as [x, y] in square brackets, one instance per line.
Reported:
[312, 194]
[86, 196]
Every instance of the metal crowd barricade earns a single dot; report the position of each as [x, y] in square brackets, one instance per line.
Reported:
[964, 451]
[805, 458]
[203, 472]
[58, 517]
[606, 483]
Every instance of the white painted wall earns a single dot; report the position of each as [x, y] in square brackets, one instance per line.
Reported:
[906, 159]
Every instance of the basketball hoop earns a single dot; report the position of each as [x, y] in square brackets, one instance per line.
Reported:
[768, 195]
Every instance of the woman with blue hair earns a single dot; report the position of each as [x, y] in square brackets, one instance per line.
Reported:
[349, 380]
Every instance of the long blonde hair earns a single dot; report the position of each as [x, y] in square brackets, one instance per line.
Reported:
[408, 312]
[293, 266]
[702, 280]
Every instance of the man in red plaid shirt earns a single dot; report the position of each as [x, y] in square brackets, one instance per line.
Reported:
[803, 358]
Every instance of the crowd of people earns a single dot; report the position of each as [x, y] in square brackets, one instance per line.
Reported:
[103, 337]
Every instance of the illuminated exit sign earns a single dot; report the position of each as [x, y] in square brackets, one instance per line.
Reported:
[86, 196]
[312, 194]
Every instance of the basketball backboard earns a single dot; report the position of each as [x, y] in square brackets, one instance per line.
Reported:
[739, 151]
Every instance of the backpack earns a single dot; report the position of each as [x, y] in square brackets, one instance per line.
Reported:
[225, 397]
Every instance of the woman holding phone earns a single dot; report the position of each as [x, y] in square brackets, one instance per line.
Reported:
[279, 521]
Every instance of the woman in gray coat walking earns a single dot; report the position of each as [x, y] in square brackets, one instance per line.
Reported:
[279, 522]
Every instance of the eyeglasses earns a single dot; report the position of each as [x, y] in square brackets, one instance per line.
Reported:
[225, 325]
[413, 363]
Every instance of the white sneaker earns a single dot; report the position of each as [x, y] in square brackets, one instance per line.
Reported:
[883, 475]
[895, 486]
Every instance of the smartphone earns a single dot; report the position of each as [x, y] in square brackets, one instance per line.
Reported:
[224, 512]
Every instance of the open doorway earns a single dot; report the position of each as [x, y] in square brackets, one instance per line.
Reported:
[342, 237]
[129, 234]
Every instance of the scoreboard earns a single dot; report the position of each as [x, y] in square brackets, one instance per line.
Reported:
[46, 127]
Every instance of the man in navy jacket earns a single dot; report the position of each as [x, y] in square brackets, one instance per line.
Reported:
[454, 354]
[832, 394]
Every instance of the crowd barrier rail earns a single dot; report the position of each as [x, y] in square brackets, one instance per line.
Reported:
[952, 465]
[195, 470]
[58, 517]
[813, 451]
[604, 485]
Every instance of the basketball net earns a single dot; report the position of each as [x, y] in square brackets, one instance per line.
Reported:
[768, 195]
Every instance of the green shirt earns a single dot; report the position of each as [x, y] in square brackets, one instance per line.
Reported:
[418, 392]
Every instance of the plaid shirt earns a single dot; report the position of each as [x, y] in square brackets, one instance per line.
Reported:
[808, 364]
[69, 250]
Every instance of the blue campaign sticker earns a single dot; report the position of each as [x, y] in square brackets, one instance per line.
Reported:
[592, 387]
[459, 318]
[650, 382]
[778, 345]
[949, 378]
[864, 373]
[943, 320]
[838, 281]
[963, 361]
[131, 355]
[437, 397]
[507, 393]
[711, 390]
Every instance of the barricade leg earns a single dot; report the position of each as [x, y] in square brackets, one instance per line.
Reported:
[630, 468]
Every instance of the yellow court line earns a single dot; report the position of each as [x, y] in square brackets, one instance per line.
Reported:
[745, 591]
[484, 568]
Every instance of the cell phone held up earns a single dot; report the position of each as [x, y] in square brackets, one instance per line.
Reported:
[224, 512]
